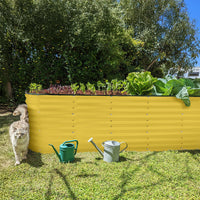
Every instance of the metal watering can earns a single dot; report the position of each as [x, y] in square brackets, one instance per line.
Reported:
[111, 150]
[67, 151]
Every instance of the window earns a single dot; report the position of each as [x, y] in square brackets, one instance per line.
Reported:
[193, 74]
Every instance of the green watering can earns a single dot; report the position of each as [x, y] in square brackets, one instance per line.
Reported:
[67, 151]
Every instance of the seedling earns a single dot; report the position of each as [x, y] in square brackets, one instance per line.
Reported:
[35, 87]
[74, 87]
[82, 88]
[101, 85]
[91, 87]
[109, 86]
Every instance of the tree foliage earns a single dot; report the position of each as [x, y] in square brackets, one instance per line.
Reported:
[169, 37]
[85, 41]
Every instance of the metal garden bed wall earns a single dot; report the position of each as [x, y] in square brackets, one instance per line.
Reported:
[145, 123]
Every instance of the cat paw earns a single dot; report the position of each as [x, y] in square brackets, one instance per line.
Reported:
[17, 163]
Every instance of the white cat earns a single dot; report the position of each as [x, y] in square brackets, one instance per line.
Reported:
[19, 134]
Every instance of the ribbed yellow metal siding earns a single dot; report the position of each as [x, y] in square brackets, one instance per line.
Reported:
[145, 123]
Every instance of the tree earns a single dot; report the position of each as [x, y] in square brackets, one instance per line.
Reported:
[70, 40]
[79, 41]
[169, 37]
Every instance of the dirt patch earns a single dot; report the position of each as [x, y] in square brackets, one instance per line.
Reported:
[4, 112]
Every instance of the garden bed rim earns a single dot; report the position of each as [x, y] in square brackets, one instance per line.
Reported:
[102, 95]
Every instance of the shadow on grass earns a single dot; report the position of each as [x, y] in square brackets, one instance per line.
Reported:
[76, 160]
[126, 176]
[99, 158]
[34, 159]
[193, 152]
[63, 177]
[85, 175]
[123, 159]
[48, 193]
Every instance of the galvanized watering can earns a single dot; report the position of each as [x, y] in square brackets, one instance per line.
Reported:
[67, 151]
[111, 150]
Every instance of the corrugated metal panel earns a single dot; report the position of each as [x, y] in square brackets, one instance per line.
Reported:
[145, 123]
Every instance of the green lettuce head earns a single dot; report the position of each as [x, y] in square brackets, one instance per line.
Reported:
[140, 83]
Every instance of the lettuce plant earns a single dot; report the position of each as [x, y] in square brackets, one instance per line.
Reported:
[140, 83]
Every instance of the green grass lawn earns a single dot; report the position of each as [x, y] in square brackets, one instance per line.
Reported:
[138, 175]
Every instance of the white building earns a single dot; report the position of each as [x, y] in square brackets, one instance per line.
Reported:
[194, 73]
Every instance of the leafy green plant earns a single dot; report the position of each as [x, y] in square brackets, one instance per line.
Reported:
[34, 87]
[161, 88]
[91, 87]
[194, 92]
[184, 96]
[108, 86]
[82, 88]
[140, 83]
[74, 87]
[114, 84]
[121, 85]
[197, 83]
[100, 85]
[181, 88]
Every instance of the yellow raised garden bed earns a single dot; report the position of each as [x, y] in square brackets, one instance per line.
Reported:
[145, 123]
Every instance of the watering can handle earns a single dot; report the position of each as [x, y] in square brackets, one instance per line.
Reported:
[75, 150]
[125, 146]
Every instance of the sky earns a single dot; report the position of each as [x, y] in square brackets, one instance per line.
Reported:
[193, 7]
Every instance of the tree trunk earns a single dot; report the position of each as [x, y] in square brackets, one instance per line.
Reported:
[151, 64]
[8, 89]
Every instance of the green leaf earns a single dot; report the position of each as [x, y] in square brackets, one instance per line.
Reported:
[184, 96]
[74, 87]
[195, 92]
[187, 82]
[197, 83]
[176, 86]
[82, 87]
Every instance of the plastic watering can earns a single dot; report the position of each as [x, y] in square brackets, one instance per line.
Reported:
[111, 150]
[67, 151]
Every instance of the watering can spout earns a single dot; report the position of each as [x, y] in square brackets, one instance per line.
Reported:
[99, 150]
[55, 151]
